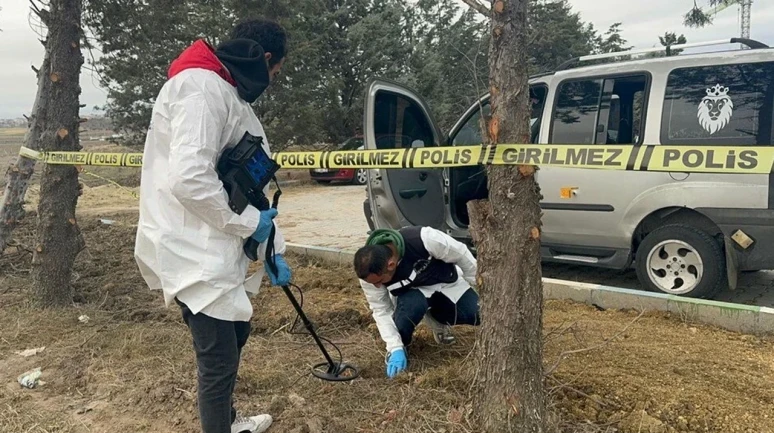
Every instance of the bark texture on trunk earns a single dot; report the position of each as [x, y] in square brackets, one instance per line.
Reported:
[509, 393]
[58, 239]
[17, 177]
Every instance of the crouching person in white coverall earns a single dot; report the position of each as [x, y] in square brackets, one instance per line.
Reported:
[189, 242]
[416, 273]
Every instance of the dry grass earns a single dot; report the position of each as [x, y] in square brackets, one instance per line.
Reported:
[131, 367]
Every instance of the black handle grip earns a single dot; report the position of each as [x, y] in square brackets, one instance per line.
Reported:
[251, 249]
[251, 245]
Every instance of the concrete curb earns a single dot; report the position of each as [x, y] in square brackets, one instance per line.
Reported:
[749, 319]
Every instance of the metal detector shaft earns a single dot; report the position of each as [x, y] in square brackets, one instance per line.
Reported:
[270, 260]
[335, 371]
[309, 326]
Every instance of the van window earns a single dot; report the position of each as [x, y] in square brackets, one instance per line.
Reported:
[626, 114]
[400, 122]
[600, 111]
[719, 105]
[470, 132]
[575, 117]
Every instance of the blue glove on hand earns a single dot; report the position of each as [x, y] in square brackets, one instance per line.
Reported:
[283, 271]
[264, 225]
[396, 363]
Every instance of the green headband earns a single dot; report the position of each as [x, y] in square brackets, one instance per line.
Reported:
[387, 236]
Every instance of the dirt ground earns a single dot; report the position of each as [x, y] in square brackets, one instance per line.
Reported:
[130, 367]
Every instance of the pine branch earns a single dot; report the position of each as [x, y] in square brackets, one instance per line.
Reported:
[479, 7]
[696, 17]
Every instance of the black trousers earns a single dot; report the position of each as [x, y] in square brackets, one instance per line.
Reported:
[218, 345]
[412, 305]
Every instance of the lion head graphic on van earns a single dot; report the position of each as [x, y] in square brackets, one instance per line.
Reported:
[715, 109]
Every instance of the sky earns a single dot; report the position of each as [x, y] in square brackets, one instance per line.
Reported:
[642, 22]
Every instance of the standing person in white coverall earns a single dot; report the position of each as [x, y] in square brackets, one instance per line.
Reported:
[189, 242]
[412, 274]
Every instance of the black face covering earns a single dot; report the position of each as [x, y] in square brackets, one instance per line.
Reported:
[246, 61]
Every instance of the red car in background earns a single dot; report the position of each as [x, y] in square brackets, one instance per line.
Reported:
[345, 175]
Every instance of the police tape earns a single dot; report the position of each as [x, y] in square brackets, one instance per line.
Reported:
[110, 181]
[663, 158]
[84, 158]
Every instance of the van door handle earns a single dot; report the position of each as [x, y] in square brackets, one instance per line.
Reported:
[408, 193]
[423, 175]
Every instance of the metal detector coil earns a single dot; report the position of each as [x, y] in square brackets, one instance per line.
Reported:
[245, 170]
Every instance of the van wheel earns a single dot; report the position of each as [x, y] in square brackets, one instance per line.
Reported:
[681, 260]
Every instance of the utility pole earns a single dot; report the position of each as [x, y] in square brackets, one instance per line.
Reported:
[746, 6]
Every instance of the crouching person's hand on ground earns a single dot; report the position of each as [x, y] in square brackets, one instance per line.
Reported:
[264, 225]
[396, 363]
[282, 278]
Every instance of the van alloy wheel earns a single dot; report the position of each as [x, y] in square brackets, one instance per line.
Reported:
[681, 260]
[675, 267]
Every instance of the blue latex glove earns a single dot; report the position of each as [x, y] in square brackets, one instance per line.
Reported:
[264, 225]
[396, 363]
[283, 271]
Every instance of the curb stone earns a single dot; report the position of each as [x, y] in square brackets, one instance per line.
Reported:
[743, 318]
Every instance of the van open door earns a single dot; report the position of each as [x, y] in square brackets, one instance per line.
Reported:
[395, 117]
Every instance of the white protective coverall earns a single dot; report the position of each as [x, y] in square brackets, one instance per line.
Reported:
[189, 242]
[442, 247]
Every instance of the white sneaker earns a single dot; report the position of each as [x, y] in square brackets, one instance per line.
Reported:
[441, 333]
[254, 424]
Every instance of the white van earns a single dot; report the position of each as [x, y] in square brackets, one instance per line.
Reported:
[685, 233]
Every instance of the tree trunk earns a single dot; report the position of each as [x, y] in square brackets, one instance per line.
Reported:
[18, 176]
[509, 388]
[58, 239]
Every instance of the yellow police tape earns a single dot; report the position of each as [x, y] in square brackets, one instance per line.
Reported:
[84, 158]
[690, 159]
[112, 182]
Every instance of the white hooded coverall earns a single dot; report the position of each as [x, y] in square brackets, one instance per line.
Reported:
[189, 242]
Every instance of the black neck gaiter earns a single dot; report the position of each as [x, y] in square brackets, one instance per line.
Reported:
[245, 60]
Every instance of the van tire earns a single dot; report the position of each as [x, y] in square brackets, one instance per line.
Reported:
[709, 250]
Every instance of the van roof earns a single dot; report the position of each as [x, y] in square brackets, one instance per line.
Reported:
[756, 49]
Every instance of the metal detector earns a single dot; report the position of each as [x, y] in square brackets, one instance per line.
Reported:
[245, 171]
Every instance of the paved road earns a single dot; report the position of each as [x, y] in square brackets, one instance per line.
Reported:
[324, 216]
[332, 216]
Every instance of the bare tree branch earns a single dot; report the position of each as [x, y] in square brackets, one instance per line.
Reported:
[604, 343]
[562, 385]
[35, 8]
[38, 10]
[479, 7]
